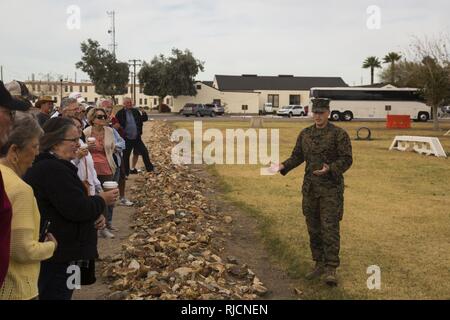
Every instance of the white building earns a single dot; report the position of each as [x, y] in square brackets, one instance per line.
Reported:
[247, 93]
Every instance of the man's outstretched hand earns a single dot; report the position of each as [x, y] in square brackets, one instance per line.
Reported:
[323, 171]
[276, 167]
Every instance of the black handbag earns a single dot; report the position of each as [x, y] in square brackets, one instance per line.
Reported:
[87, 272]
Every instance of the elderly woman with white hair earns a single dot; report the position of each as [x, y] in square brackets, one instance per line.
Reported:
[16, 156]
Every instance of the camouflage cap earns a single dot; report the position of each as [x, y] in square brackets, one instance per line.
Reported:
[320, 105]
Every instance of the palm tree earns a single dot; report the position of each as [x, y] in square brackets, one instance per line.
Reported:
[392, 58]
[372, 63]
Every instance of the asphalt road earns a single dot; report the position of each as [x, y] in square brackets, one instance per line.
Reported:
[176, 117]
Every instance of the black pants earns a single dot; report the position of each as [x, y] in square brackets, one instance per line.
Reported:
[53, 281]
[139, 146]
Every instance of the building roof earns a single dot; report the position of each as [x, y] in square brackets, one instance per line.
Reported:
[281, 82]
[377, 85]
[208, 83]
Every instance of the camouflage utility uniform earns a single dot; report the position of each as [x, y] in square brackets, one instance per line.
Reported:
[323, 196]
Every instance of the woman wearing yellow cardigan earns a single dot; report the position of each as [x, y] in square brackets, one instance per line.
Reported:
[16, 156]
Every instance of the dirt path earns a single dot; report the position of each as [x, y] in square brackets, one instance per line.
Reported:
[243, 241]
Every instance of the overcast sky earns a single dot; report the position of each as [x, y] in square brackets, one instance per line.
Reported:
[303, 38]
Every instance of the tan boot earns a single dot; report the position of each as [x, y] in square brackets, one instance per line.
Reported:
[316, 272]
[330, 276]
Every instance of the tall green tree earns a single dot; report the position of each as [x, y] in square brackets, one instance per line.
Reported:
[372, 63]
[170, 76]
[428, 69]
[392, 58]
[109, 76]
[435, 84]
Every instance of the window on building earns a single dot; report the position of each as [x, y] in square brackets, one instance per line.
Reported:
[244, 107]
[199, 87]
[274, 99]
[95, 100]
[155, 101]
[145, 101]
[55, 88]
[140, 101]
[66, 88]
[71, 88]
[39, 87]
[81, 89]
[294, 99]
[85, 88]
[55, 99]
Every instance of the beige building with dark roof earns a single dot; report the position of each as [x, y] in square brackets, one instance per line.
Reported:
[248, 93]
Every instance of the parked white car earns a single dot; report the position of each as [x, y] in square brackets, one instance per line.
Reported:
[292, 110]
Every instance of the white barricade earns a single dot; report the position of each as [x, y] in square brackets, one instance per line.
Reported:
[422, 145]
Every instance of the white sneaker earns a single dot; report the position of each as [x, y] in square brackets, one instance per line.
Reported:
[105, 233]
[126, 202]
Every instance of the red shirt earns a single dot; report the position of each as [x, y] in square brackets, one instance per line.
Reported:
[5, 230]
[120, 130]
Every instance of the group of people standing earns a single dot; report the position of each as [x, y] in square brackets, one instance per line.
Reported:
[53, 204]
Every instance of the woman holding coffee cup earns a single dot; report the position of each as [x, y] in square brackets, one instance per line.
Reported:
[85, 164]
[101, 145]
[74, 216]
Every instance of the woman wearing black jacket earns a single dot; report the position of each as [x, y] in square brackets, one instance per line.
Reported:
[72, 216]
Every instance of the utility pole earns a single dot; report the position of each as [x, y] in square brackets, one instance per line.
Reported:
[112, 31]
[60, 94]
[134, 63]
[1, 73]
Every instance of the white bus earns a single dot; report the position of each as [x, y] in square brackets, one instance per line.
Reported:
[351, 102]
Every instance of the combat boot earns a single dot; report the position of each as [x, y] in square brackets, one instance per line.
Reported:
[330, 276]
[316, 272]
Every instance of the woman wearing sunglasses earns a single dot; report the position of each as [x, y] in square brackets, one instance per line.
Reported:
[102, 150]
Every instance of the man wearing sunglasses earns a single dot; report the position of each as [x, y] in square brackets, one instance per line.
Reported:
[8, 105]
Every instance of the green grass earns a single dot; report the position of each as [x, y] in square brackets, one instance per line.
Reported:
[397, 214]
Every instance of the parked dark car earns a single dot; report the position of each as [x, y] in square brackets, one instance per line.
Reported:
[218, 110]
[201, 110]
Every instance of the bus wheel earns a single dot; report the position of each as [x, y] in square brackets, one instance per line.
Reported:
[423, 116]
[348, 116]
[335, 116]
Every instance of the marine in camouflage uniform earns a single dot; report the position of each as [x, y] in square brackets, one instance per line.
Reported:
[328, 148]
